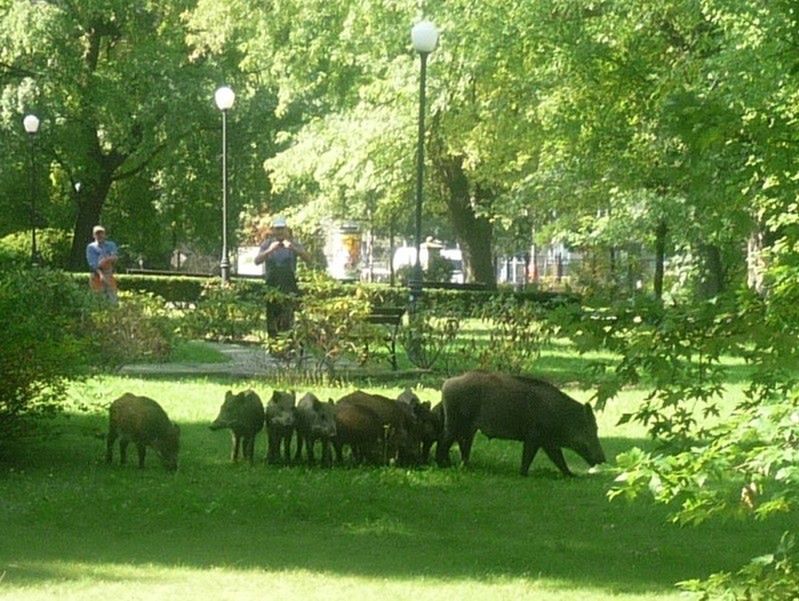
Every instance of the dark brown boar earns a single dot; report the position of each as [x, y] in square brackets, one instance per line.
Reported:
[141, 420]
[433, 430]
[361, 429]
[281, 421]
[243, 414]
[517, 408]
[315, 421]
[403, 432]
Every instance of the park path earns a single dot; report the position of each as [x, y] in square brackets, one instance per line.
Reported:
[244, 361]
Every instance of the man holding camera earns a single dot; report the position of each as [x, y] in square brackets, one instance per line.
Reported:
[278, 254]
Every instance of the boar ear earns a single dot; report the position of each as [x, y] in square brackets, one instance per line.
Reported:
[426, 404]
[330, 402]
[228, 395]
[588, 409]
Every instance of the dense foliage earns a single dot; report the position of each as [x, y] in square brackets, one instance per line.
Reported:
[46, 342]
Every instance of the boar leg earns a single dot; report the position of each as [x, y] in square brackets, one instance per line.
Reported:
[123, 450]
[270, 446]
[298, 452]
[142, 450]
[556, 455]
[465, 445]
[327, 457]
[426, 447]
[287, 448]
[273, 447]
[109, 447]
[339, 455]
[234, 450]
[248, 448]
[310, 441]
[531, 447]
[442, 450]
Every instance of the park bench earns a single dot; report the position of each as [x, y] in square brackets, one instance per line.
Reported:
[391, 318]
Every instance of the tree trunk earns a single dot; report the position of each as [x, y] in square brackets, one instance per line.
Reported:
[90, 207]
[660, 258]
[474, 233]
[711, 278]
[755, 262]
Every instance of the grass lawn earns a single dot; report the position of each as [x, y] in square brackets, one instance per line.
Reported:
[73, 528]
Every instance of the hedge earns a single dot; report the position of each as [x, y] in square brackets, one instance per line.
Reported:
[466, 302]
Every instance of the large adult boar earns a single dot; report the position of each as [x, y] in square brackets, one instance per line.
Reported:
[403, 431]
[516, 408]
[281, 421]
[142, 421]
[243, 413]
[315, 421]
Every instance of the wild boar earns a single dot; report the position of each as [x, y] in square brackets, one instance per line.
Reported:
[362, 429]
[280, 424]
[314, 421]
[403, 432]
[516, 408]
[141, 420]
[243, 413]
[430, 425]
[433, 430]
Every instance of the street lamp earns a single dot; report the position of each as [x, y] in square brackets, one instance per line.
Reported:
[224, 98]
[31, 125]
[424, 37]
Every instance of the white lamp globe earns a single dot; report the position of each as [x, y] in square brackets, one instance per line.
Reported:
[31, 123]
[424, 37]
[224, 98]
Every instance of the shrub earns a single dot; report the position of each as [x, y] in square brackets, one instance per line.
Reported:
[53, 246]
[226, 311]
[45, 343]
[516, 333]
[429, 331]
[327, 326]
[138, 328]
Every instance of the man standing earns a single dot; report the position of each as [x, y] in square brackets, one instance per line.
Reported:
[279, 254]
[101, 255]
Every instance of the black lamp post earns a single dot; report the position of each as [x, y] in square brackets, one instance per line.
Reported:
[31, 125]
[424, 37]
[224, 98]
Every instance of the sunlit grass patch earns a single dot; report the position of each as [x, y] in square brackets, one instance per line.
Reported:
[89, 582]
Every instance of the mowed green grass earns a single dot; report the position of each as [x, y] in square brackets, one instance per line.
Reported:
[72, 527]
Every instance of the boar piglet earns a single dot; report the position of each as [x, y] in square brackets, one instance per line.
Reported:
[401, 429]
[517, 408]
[429, 422]
[142, 421]
[315, 421]
[243, 414]
[280, 424]
[361, 429]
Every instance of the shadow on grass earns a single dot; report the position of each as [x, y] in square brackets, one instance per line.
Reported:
[476, 523]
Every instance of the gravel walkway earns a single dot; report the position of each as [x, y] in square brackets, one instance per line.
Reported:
[245, 360]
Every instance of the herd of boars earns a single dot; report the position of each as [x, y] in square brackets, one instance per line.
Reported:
[376, 429]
